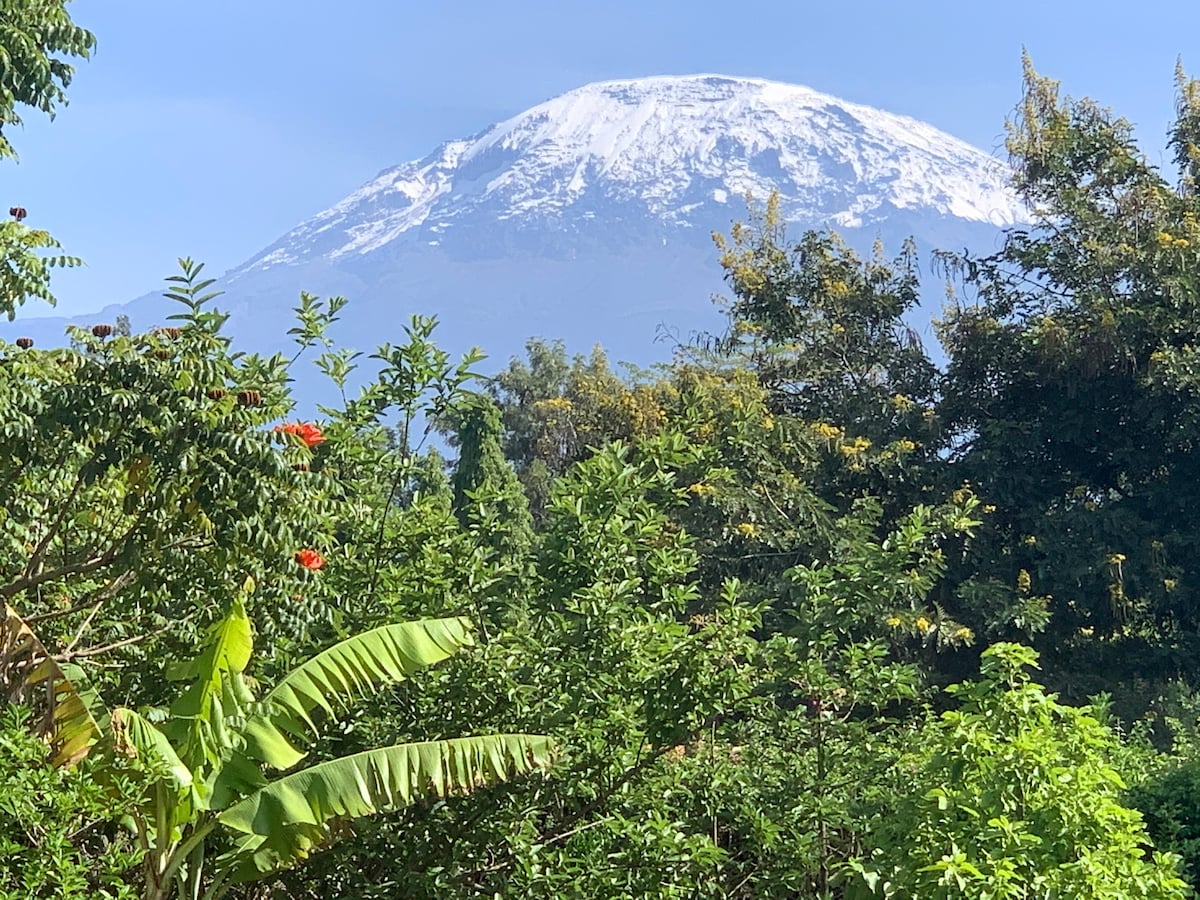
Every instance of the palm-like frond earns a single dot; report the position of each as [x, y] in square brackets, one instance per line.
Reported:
[282, 822]
[29, 675]
[345, 671]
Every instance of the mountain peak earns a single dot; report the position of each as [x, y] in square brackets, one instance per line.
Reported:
[662, 155]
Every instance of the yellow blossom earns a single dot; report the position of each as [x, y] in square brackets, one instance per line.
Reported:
[964, 634]
[1115, 559]
[1029, 540]
[1169, 584]
[1024, 582]
[989, 508]
[700, 489]
[905, 446]
[1165, 239]
[748, 529]
[923, 623]
[893, 621]
[827, 431]
[902, 403]
[858, 445]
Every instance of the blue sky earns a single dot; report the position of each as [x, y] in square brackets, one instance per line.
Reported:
[208, 129]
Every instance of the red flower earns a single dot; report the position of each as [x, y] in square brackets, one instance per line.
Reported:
[310, 559]
[306, 431]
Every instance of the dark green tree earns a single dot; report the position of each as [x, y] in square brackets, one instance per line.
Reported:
[487, 493]
[1073, 393]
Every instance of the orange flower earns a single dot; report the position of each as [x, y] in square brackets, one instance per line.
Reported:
[306, 431]
[310, 559]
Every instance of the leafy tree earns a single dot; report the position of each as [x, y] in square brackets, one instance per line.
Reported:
[1170, 805]
[557, 411]
[602, 653]
[824, 333]
[36, 38]
[1013, 796]
[487, 494]
[138, 481]
[1071, 393]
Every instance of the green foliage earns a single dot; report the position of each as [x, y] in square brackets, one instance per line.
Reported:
[729, 591]
[1013, 795]
[556, 411]
[136, 474]
[1170, 805]
[1071, 394]
[202, 764]
[59, 836]
[24, 271]
[36, 37]
[823, 331]
[487, 494]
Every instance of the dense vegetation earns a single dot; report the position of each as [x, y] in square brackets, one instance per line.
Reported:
[762, 622]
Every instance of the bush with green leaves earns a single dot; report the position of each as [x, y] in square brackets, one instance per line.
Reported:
[60, 837]
[1013, 795]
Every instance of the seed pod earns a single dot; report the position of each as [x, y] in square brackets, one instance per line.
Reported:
[17, 212]
[301, 467]
[172, 333]
[249, 398]
[24, 343]
[163, 353]
[102, 331]
[216, 393]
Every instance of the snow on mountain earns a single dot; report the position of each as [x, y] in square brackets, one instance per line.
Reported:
[665, 152]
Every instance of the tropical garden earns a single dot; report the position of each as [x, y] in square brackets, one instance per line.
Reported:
[803, 613]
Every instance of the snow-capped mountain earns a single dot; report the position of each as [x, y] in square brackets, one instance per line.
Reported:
[589, 217]
[662, 154]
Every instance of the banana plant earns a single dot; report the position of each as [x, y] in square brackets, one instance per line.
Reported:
[208, 762]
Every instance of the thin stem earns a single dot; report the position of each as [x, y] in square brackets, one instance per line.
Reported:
[194, 841]
[106, 648]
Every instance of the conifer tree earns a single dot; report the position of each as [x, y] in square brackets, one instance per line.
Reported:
[487, 493]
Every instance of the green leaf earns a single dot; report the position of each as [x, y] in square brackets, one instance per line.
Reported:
[343, 672]
[133, 736]
[281, 823]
